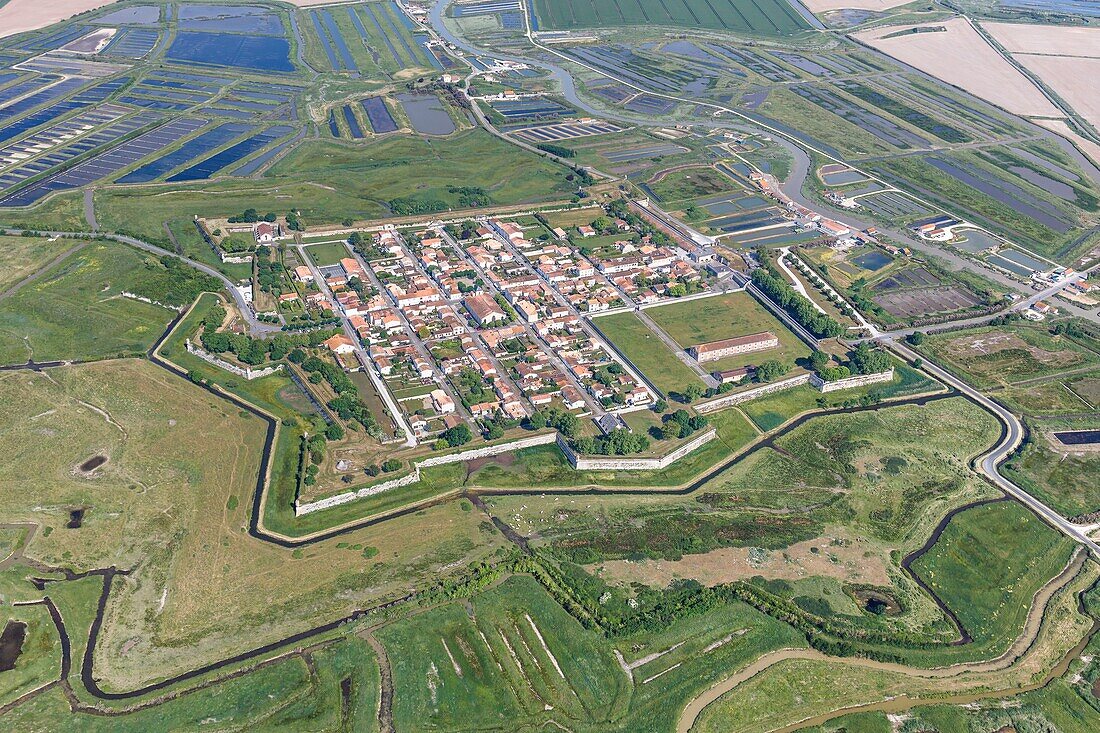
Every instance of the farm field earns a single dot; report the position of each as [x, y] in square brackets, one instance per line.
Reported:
[723, 317]
[75, 310]
[768, 18]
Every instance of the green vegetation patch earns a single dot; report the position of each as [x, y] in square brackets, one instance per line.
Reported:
[763, 17]
[76, 310]
[727, 316]
[987, 566]
[1003, 354]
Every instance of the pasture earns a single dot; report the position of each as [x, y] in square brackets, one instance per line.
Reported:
[75, 310]
[767, 18]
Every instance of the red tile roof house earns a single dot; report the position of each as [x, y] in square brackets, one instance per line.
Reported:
[740, 345]
[485, 310]
[265, 233]
[340, 344]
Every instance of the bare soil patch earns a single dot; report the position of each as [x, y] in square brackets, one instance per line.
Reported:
[1056, 40]
[1073, 78]
[19, 16]
[959, 56]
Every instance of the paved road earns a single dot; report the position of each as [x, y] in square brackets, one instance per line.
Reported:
[1013, 436]
[350, 332]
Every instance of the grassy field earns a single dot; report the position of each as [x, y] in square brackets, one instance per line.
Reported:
[723, 317]
[74, 311]
[279, 697]
[22, 256]
[988, 564]
[1059, 476]
[691, 183]
[1001, 355]
[831, 503]
[63, 212]
[361, 182]
[767, 18]
[796, 689]
[647, 352]
[161, 504]
[329, 253]
[515, 653]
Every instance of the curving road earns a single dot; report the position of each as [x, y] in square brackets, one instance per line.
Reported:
[1011, 439]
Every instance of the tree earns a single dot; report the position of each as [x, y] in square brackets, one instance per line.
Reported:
[660, 405]
[916, 338]
[693, 392]
[602, 223]
[334, 432]
[458, 435]
[770, 370]
[819, 360]
[536, 420]
[866, 360]
[391, 464]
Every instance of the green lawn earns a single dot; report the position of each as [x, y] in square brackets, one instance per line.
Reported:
[727, 316]
[329, 253]
[647, 352]
[74, 311]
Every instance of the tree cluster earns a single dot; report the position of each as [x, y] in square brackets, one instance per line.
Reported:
[797, 305]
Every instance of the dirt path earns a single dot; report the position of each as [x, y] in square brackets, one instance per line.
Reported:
[41, 270]
[385, 702]
[1019, 647]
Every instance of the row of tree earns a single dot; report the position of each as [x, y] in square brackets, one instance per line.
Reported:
[797, 305]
